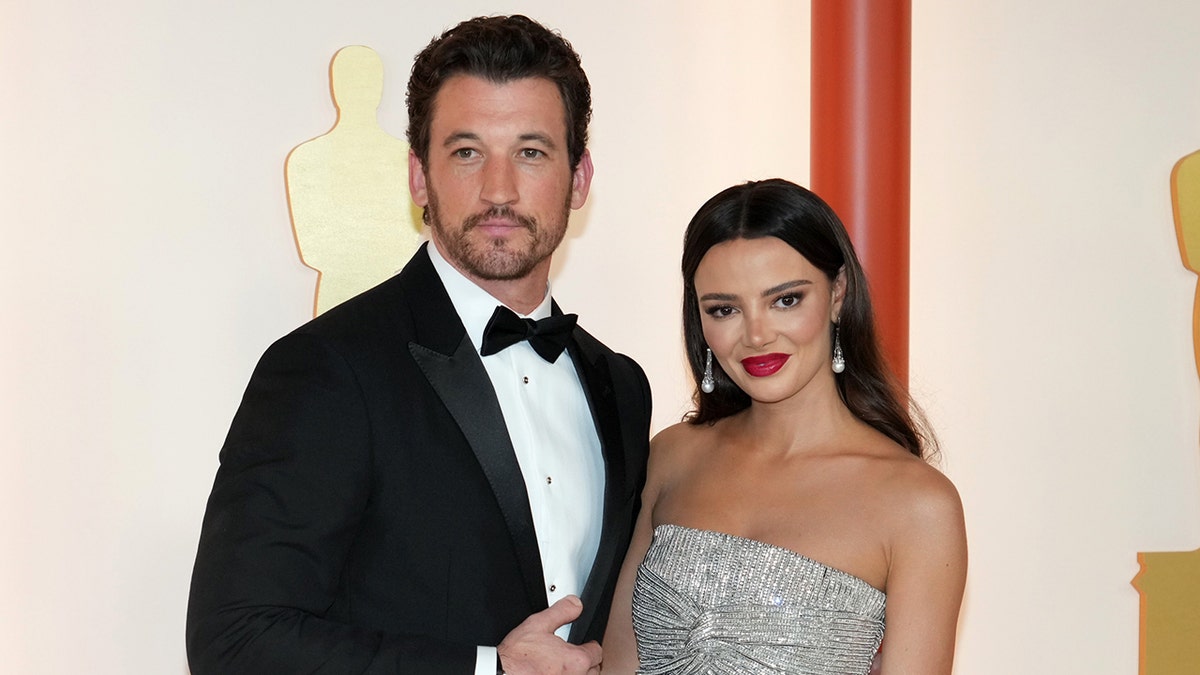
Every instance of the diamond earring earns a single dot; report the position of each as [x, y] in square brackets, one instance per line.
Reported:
[839, 360]
[707, 383]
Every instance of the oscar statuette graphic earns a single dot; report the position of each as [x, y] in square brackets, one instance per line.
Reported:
[348, 189]
[1169, 582]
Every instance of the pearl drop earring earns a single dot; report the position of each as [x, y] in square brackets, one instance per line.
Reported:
[839, 360]
[707, 383]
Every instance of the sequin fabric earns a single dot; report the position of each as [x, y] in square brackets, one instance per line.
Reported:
[714, 604]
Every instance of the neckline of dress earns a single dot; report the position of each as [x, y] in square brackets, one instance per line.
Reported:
[783, 549]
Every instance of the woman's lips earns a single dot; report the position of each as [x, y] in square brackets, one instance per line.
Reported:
[764, 365]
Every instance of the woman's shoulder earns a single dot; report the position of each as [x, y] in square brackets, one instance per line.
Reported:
[673, 443]
[921, 499]
[913, 488]
[932, 497]
[674, 449]
[677, 434]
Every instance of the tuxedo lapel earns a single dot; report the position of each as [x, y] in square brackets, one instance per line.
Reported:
[598, 386]
[449, 361]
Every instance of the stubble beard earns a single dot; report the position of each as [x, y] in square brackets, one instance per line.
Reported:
[496, 259]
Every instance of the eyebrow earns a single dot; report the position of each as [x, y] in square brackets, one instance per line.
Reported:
[718, 296]
[785, 286]
[539, 138]
[460, 136]
[727, 297]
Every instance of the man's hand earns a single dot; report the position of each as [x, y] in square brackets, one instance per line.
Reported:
[532, 648]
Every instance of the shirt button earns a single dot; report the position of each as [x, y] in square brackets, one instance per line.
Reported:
[553, 588]
[525, 379]
[549, 480]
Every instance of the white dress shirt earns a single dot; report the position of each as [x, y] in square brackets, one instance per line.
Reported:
[555, 440]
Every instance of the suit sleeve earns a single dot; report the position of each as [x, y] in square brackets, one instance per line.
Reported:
[644, 386]
[288, 497]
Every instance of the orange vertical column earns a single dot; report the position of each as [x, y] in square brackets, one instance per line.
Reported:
[861, 97]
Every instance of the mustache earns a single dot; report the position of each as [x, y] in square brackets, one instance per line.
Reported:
[499, 213]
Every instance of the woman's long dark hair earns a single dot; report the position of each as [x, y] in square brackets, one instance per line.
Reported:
[786, 211]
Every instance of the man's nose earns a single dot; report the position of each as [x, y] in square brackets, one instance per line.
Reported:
[499, 182]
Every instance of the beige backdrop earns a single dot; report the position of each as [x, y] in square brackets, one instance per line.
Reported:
[148, 259]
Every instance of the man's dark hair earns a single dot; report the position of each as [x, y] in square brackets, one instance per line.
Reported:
[499, 49]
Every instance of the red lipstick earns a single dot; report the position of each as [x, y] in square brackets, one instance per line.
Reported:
[765, 364]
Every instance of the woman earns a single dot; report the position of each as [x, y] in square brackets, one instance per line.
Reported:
[793, 504]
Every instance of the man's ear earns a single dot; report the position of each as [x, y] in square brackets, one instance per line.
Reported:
[581, 180]
[416, 180]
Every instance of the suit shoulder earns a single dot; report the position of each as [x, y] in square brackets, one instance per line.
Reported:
[593, 347]
[589, 342]
[359, 312]
[392, 307]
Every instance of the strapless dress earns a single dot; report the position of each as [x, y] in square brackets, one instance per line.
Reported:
[712, 603]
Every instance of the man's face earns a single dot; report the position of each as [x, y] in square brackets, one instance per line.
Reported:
[498, 184]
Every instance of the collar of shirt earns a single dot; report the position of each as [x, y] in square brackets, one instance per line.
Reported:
[473, 304]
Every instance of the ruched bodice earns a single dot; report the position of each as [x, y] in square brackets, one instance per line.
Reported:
[712, 603]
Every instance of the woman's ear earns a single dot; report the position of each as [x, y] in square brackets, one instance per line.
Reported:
[839, 295]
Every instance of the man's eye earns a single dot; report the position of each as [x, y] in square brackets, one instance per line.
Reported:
[532, 153]
[464, 153]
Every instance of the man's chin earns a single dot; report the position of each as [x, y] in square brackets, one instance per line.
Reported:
[499, 265]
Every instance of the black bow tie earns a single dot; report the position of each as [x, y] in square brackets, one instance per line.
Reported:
[548, 337]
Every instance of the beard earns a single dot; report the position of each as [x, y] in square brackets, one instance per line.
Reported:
[496, 259]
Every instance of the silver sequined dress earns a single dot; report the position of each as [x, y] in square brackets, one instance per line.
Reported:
[711, 603]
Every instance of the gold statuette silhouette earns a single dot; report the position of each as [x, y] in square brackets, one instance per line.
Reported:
[348, 189]
[1169, 582]
[1185, 200]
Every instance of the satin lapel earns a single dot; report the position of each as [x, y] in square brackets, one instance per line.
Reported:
[597, 384]
[462, 383]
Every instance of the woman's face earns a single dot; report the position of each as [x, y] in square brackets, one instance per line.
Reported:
[765, 310]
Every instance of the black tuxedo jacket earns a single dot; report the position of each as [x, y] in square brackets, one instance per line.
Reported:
[369, 514]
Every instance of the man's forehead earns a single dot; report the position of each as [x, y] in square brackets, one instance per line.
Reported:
[467, 97]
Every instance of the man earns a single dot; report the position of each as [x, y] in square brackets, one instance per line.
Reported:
[409, 486]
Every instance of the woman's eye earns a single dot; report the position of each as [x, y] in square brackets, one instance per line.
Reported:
[720, 311]
[789, 300]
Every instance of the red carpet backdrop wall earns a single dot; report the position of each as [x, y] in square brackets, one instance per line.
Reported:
[149, 258]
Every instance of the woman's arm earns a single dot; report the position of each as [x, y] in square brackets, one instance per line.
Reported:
[926, 576]
[620, 648]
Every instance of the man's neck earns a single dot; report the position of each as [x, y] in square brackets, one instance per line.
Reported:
[521, 295]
